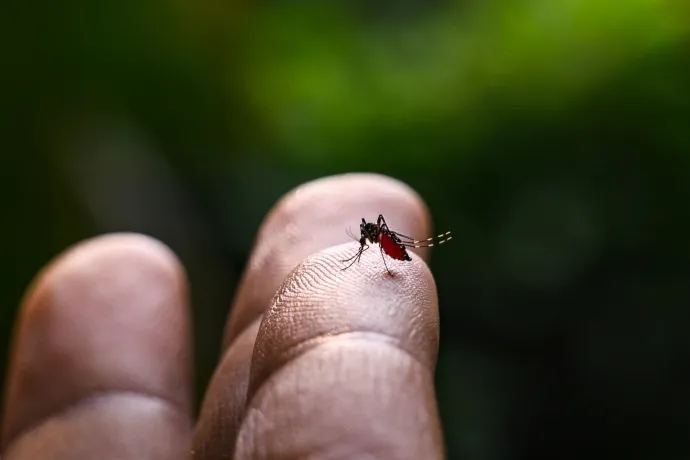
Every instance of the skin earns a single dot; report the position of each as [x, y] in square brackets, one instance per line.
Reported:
[337, 364]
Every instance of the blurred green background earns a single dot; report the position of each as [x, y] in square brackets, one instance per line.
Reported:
[553, 138]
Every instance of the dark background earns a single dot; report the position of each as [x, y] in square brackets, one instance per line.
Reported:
[551, 137]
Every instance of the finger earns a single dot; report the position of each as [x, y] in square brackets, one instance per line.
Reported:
[223, 406]
[308, 219]
[100, 365]
[343, 365]
[313, 217]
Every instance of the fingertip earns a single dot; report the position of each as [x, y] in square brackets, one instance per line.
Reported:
[85, 255]
[352, 187]
[147, 250]
[319, 300]
[343, 200]
[109, 314]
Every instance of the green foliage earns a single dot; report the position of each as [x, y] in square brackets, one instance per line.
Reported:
[332, 88]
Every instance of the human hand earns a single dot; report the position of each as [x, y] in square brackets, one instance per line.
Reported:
[339, 364]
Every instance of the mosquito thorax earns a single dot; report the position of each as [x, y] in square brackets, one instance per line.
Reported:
[371, 230]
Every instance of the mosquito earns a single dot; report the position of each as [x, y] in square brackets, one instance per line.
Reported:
[391, 243]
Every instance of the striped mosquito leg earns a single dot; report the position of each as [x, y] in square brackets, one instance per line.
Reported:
[427, 243]
[447, 237]
[442, 235]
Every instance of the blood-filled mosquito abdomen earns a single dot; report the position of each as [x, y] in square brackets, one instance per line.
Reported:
[392, 248]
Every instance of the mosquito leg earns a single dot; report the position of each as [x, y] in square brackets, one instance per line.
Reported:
[383, 226]
[353, 262]
[445, 237]
[356, 254]
[425, 244]
[357, 257]
[400, 235]
[384, 262]
[381, 222]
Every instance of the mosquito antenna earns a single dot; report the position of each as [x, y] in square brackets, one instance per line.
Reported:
[351, 235]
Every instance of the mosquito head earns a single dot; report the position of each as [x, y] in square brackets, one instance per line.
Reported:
[369, 231]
